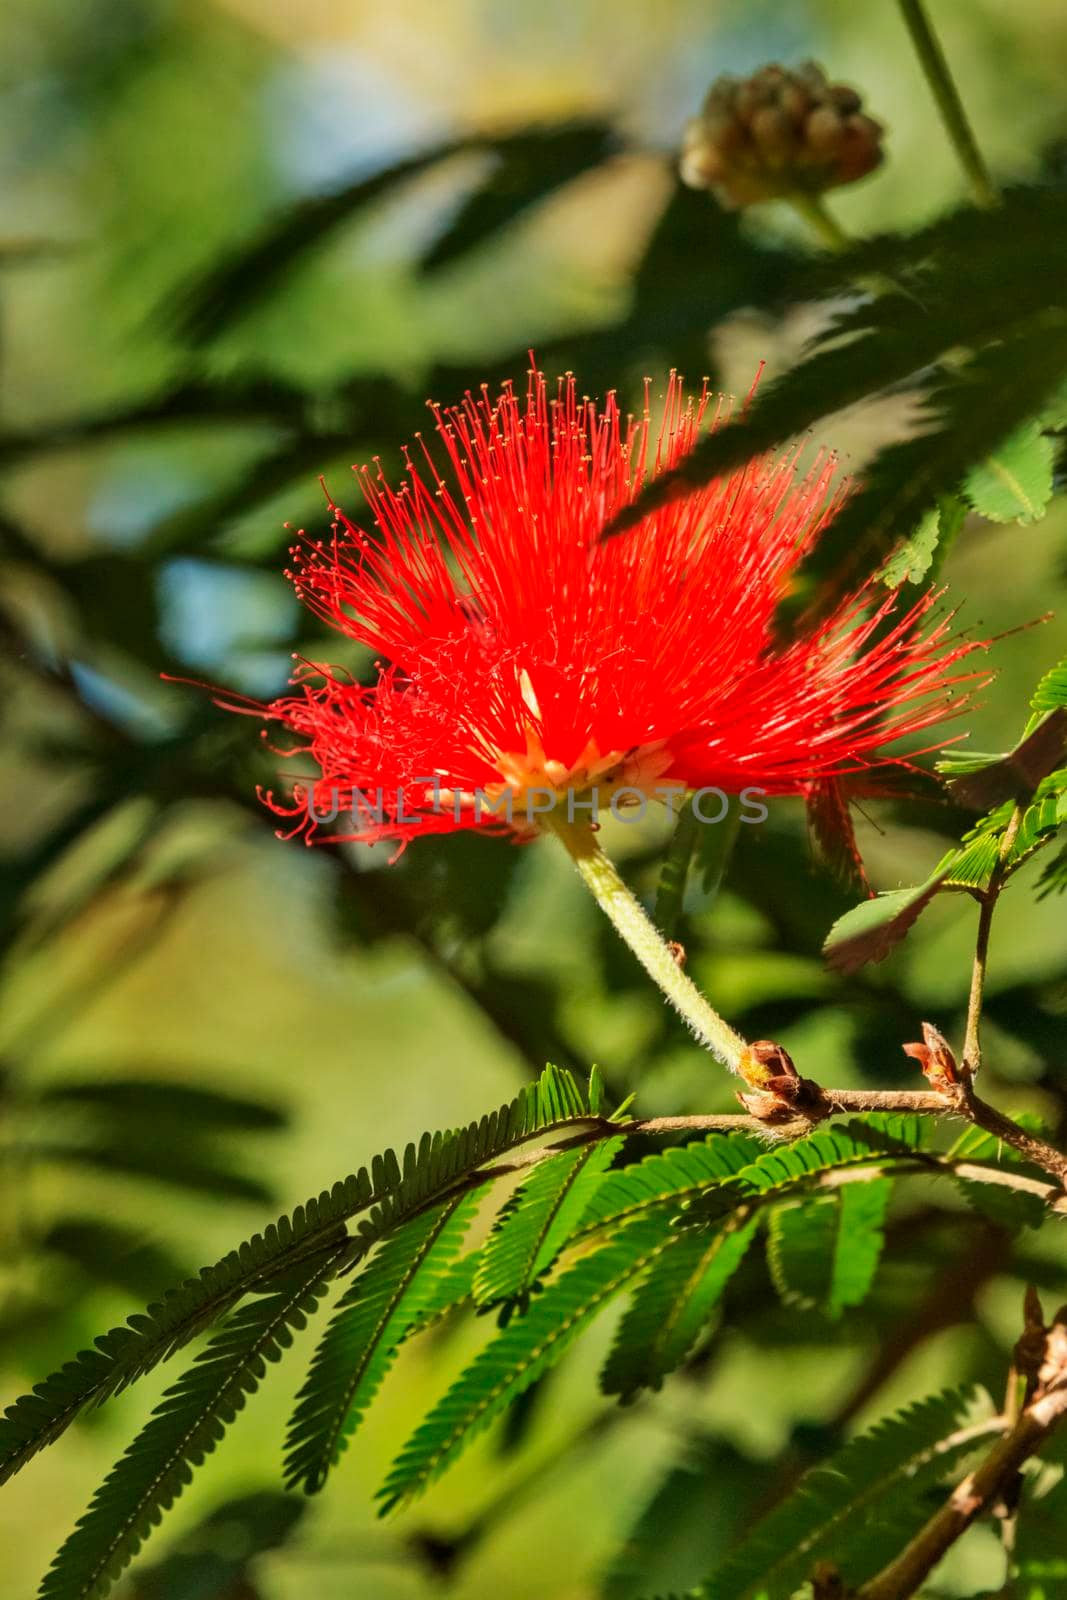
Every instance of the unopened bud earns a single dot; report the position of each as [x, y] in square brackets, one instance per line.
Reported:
[935, 1058]
[780, 1093]
[1029, 1352]
[777, 133]
[764, 1061]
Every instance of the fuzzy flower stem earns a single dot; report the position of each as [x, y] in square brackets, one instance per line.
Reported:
[944, 90]
[644, 939]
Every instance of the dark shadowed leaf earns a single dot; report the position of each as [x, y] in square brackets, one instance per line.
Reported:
[211, 1110]
[984, 782]
[525, 170]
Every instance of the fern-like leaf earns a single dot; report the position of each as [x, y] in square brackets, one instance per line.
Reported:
[531, 1229]
[441, 1163]
[526, 1348]
[861, 1507]
[672, 1304]
[185, 1427]
[857, 1142]
[971, 410]
[399, 1289]
[668, 1178]
[824, 1252]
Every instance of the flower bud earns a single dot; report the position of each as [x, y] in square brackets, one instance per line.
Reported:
[935, 1058]
[777, 133]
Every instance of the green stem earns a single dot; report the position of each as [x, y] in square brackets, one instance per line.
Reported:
[943, 87]
[815, 212]
[972, 1045]
[636, 928]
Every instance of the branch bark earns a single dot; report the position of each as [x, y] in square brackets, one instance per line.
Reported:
[981, 1488]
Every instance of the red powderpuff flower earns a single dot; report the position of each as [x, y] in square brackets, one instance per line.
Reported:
[521, 651]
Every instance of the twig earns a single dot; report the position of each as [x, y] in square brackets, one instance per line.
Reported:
[813, 210]
[598, 1128]
[972, 1048]
[981, 1488]
[1037, 1150]
[949, 104]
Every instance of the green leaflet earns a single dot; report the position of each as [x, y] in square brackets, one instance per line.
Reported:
[1051, 692]
[972, 865]
[672, 1304]
[967, 240]
[528, 167]
[983, 781]
[1014, 483]
[669, 1176]
[895, 336]
[395, 1292]
[1031, 775]
[185, 1427]
[859, 1140]
[637, 1208]
[824, 1252]
[440, 1162]
[871, 930]
[539, 1219]
[526, 1348]
[921, 557]
[861, 1507]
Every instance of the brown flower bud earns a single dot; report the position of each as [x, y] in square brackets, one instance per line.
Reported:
[764, 1061]
[935, 1058]
[777, 133]
[824, 131]
[773, 133]
[780, 1093]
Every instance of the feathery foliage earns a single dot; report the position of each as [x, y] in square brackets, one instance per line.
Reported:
[398, 1289]
[672, 1304]
[528, 164]
[440, 1163]
[526, 1348]
[185, 1427]
[1032, 776]
[859, 1508]
[668, 1177]
[538, 1220]
[825, 1252]
[971, 409]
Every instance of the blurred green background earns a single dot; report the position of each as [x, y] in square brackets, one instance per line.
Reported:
[160, 417]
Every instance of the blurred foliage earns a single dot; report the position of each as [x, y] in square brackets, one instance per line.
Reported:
[242, 245]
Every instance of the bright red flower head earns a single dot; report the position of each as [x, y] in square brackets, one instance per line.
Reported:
[520, 650]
